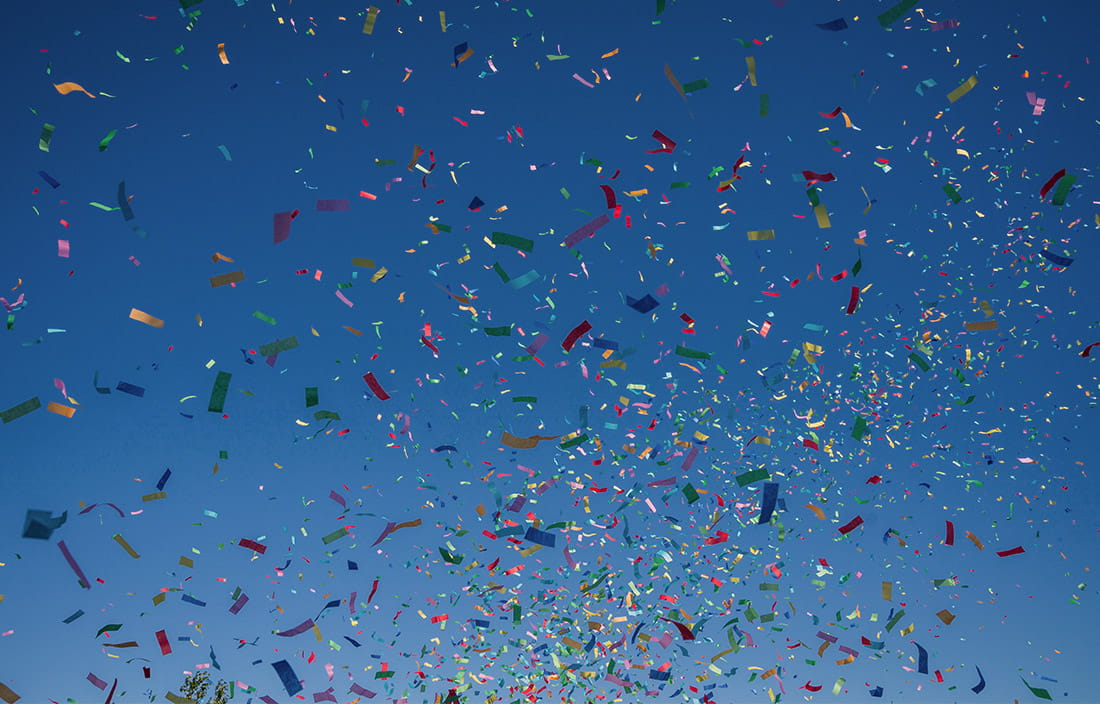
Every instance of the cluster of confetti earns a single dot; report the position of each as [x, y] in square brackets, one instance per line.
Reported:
[513, 353]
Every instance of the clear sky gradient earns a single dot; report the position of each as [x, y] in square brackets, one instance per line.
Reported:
[809, 416]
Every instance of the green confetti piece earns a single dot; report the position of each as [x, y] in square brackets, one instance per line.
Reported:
[690, 493]
[894, 13]
[691, 354]
[502, 331]
[525, 399]
[335, 535]
[919, 361]
[951, 193]
[279, 346]
[894, 621]
[45, 137]
[660, 6]
[107, 140]
[680, 184]
[751, 476]
[513, 241]
[574, 442]
[326, 415]
[450, 557]
[860, 428]
[312, 398]
[263, 317]
[693, 86]
[858, 266]
[565, 193]
[109, 627]
[500, 272]
[1060, 194]
[219, 392]
[20, 410]
[765, 104]
[104, 208]
[1037, 691]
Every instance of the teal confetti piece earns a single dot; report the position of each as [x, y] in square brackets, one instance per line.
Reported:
[219, 392]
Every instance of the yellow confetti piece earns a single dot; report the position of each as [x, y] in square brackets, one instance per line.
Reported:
[143, 317]
[822, 216]
[126, 546]
[757, 235]
[69, 87]
[750, 62]
[372, 16]
[982, 325]
[443, 21]
[962, 90]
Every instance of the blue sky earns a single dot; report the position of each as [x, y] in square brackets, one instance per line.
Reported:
[870, 330]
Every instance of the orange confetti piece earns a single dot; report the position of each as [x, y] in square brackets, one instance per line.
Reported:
[817, 511]
[60, 409]
[143, 317]
[68, 87]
